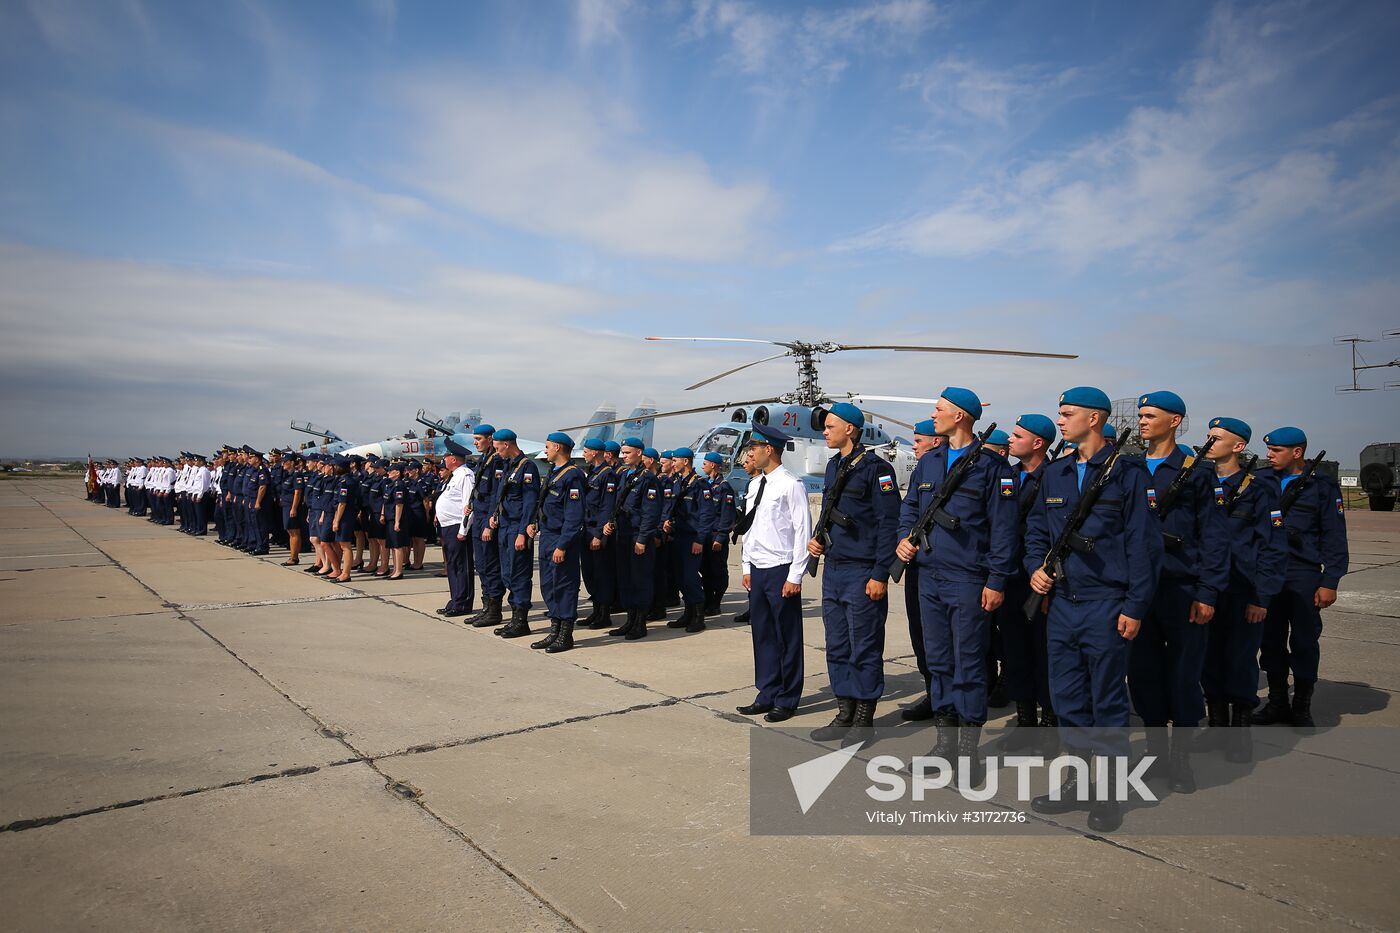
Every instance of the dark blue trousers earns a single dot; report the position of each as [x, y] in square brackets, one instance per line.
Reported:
[775, 623]
[956, 632]
[559, 582]
[1291, 633]
[1231, 674]
[488, 561]
[688, 569]
[456, 557]
[1167, 657]
[599, 572]
[855, 631]
[714, 572]
[517, 567]
[636, 573]
[1023, 645]
[1088, 664]
[914, 615]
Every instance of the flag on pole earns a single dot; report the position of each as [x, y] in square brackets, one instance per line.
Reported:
[91, 478]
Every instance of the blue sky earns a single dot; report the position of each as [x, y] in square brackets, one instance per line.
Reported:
[215, 217]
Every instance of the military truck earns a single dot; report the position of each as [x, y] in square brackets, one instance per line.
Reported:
[1380, 475]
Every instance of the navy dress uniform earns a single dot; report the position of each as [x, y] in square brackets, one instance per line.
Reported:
[598, 563]
[1168, 655]
[489, 473]
[638, 523]
[561, 532]
[516, 499]
[954, 567]
[1088, 656]
[1315, 525]
[861, 551]
[1258, 564]
[692, 530]
[714, 568]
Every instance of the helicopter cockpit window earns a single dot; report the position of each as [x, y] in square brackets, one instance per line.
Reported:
[723, 441]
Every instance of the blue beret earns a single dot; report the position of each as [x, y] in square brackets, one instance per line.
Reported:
[1286, 437]
[1086, 397]
[998, 438]
[667, 454]
[1167, 401]
[483, 428]
[633, 442]
[965, 399]
[612, 447]
[559, 437]
[1109, 431]
[1039, 425]
[454, 448]
[848, 413]
[504, 434]
[651, 452]
[925, 428]
[714, 457]
[767, 434]
[685, 453]
[1233, 425]
[593, 443]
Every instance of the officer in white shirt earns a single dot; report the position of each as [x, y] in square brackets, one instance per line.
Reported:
[776, 526]
[136, 488]
[450, 514]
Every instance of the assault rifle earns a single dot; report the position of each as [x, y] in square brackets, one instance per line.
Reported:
[935, 512]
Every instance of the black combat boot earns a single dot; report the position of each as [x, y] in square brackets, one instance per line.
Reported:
[565, 640]
[639, 627]
[1106, 815]
[625, 627]
[548, 640]
[1049, 732]
[1159, 747]
[996, 696]
[1023, 733]
[946, 745]
[697, 619]
[1240, 748]
[519, 624]
[1276, 712]
[1217, 725]
[840, 723]
[681, 621]
[1302, 704]
[1180, 778]
[917, 712]
[969, 737]
[1069, 793]
[490, 613]
[742, 618]
[601, 619]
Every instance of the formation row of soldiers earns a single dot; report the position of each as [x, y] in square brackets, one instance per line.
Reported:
[1116, 583]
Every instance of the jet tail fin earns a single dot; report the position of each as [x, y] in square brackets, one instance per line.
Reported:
[640, 423]
[607, 411]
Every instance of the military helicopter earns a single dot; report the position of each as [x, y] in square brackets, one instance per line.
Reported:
[801, 412]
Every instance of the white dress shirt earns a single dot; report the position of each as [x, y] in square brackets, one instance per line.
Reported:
[136, 479]
[452, 501]
[198, 482]
[781, 527]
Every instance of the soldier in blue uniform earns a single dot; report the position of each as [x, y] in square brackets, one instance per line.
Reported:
[1258, 563]
[1022, 639]
[855, 578]
[490, 471]
[511, 512]
[396, 532]
[634, 532]
[1100, 595]
[345, 509]
[560, 529]
[962, 573]
[1314, 521]
[691, 527]
[597, 557]
[416, 493]
[714, 565]
[288, 489]
[925, 439]
[263, 503]
[1168, 655]
[277, 472]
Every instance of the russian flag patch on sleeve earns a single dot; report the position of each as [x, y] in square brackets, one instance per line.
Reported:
[1008, 486]
[887, 484]
[1276, 518]
[1340, 507]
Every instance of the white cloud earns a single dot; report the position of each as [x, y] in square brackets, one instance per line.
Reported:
[1172, 180]
[599, 21]
[550, 160]
[818, 44]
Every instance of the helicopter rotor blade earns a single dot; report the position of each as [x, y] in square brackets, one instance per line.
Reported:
[776, 343]
[861, 397]
[672, 414]
[730, 372]
[974, 350]
[883, 417]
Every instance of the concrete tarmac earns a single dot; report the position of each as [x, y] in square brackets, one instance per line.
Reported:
[196, 739]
